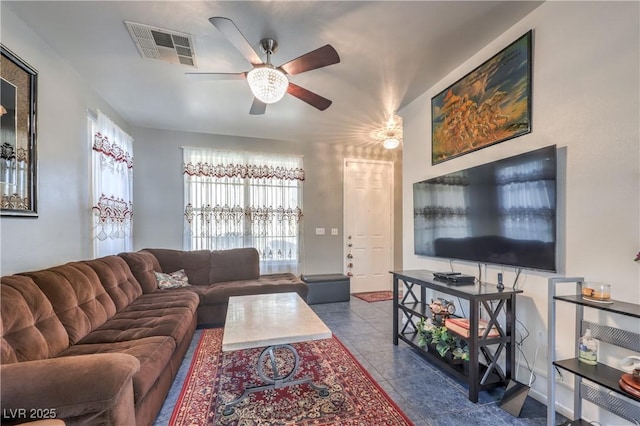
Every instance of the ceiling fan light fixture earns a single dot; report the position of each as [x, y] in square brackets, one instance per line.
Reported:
[268, 84]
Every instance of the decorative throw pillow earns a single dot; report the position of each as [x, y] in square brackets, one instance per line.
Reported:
[173, 280]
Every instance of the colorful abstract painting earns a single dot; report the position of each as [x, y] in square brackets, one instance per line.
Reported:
[487, 106]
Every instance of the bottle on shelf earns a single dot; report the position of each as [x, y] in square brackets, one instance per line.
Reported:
[588, 348]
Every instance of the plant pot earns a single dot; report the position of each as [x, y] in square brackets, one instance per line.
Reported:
[448, 357]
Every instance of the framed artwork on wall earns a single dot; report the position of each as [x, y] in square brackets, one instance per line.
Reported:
[489, 105]
[18, 85]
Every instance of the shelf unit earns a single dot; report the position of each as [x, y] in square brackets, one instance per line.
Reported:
[608, 394]
[413, 307]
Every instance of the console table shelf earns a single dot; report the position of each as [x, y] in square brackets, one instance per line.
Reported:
[461, 370]
[417, 308]
[414, 307]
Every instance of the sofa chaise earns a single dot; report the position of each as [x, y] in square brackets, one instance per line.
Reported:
[97, 342]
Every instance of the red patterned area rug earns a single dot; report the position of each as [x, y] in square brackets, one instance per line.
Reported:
[215, 378]
[375, 296]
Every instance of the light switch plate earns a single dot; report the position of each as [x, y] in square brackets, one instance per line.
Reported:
[334, 231]
[319, 231]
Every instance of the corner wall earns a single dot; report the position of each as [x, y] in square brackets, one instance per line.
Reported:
[585, 100]
[61, 232]
[159, 203]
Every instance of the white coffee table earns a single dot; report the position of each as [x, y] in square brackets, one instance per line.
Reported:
[276, 321]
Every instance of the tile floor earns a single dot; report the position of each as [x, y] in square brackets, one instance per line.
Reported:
[427, 395]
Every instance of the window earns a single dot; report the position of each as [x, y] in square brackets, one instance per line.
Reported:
[112, 187]
[239, 199]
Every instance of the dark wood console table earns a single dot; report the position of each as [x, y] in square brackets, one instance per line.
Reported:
[413, 307]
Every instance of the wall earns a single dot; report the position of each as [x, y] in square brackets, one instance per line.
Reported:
[586, 101]
[61, 231]
[158, 190]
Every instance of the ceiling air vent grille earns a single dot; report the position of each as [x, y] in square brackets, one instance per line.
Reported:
[161, 44]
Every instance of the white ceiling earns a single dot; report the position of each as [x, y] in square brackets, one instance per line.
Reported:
[390, 53]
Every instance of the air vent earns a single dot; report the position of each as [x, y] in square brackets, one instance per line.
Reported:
[161, 44]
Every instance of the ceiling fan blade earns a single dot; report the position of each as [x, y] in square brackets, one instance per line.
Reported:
[235, 37]
[321, 57]
[309, 97]
[257, 107]
[215, 76]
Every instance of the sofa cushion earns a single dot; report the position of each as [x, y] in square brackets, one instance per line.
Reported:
[30, 328]
[77, 296]
[234, 265]
[195, 263]
[149, 315]
[117, 279]
[153, 353]
[142, 265]
[274, 283]
[173, 298]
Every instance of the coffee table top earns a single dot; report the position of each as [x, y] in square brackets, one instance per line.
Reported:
[270, 319]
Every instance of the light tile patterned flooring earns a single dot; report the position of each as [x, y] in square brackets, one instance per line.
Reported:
[427, 395]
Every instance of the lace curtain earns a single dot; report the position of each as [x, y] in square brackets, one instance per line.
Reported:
[441, 209]
[112, 184]
[526, 198]
[239, 199]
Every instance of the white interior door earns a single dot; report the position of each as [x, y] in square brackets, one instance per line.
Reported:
[368, 204]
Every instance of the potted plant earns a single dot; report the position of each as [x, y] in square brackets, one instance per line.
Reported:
[441, 340]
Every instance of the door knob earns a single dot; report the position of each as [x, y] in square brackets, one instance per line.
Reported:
[349, 256]
[349, 245]
[349, 265]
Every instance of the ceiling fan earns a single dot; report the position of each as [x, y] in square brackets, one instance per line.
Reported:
[267, 82]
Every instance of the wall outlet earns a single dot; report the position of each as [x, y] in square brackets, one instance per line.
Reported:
[319, 231]
[334, 231]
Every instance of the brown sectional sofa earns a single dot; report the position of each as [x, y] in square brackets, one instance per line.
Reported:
[215, 275]
[96, 342]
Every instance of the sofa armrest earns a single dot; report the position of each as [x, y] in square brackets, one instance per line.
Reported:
[85, 387]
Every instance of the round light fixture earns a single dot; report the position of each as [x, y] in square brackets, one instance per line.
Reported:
[391, 143]
[267, 83]
[391, 134]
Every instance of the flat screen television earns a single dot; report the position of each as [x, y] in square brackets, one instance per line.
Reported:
[502, 213]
